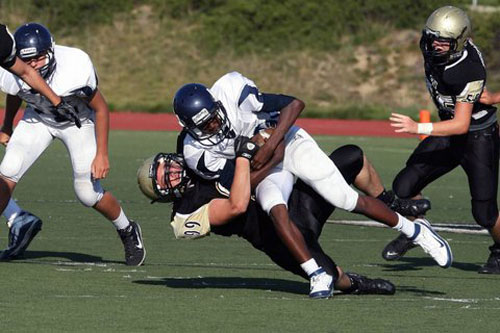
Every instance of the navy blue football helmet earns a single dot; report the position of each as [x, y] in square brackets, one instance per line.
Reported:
[34, 40]
[201, 114]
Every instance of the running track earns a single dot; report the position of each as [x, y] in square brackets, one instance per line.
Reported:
[133, 121]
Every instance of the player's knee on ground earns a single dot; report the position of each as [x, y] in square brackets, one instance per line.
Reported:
[12, 164]
[485, 213]
[89, 193]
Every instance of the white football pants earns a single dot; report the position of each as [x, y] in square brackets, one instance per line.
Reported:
[30, 139]
[305, 159]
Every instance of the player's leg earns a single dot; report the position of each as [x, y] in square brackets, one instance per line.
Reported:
[272, 194]
[81, 145]
[432, 158]
[480, 163]
[368, 181]
[324, 177]
[27, 143]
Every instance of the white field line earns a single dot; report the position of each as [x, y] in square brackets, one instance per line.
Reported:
[446, 227]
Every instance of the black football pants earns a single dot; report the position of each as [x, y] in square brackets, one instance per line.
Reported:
[476, 152]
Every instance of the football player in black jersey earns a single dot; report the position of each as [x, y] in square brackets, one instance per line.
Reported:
[166, 178]
[467, 134]
[10, 62]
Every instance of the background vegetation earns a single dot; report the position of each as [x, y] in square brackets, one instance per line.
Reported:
[357, 59]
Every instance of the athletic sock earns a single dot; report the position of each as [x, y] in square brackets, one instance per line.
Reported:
[386, 197]
[405, 226]
[310, 266]
[121, 221]
[11, 211]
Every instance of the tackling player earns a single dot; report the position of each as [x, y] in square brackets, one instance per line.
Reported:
[467, 134]
[70, 72]
[233, 106]
[201, 206]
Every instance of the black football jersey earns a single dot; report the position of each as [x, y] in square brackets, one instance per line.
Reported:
[7, 48]
[249, 225]
[462, 81]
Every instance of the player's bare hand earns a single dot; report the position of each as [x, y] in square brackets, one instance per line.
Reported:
[263, 155]
[486, 97]
[261, 138]
[4, 137]
[100, 166]
[403, 124]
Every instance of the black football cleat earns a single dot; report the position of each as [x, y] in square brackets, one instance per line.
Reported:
[397, 248]
[131, 237]
[409, 207]
[362, 285]
[492, 265]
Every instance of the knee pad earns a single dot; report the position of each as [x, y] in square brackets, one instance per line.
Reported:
[485, 213]
[88, 192]
[12, 164]
[349, 160]
[274, 191]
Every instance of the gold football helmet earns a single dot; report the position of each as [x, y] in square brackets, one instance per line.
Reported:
[446, 24]
[147, 177]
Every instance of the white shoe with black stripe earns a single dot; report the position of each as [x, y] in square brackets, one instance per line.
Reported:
[433, 244]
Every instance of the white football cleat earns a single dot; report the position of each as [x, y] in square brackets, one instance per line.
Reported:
[433, 244]
[321, 284]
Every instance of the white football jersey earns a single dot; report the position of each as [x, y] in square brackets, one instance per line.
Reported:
[74, 76]
[243, 103]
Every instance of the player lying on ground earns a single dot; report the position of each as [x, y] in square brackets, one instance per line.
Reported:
[84, 133]
[212, 118]
[467, 134]
[201, 206]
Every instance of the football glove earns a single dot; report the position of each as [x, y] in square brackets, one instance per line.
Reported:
[66, 111]
[244, 147]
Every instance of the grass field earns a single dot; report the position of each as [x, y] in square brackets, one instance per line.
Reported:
[73, 277]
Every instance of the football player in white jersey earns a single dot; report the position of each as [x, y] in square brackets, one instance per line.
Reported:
[232, 107]
[12, 63]
[70, 73]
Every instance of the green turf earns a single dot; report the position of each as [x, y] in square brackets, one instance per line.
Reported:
[73, 278]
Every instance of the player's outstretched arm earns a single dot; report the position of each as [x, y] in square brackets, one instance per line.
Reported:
[34, 80]
[456, 126]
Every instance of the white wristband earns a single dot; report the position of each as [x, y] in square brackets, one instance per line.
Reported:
[424, 128]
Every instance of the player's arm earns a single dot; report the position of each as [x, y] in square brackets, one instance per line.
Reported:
[456, 126]
[100, 165]
[470, 94]
[489, 98]
[12, 105]
[34, 80]
[223, 210]
[256, 176]
[290, 109]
